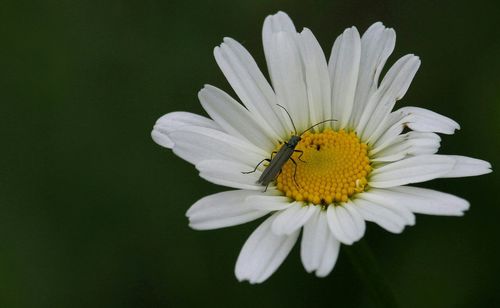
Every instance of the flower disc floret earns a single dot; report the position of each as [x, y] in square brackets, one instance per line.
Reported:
[329, 167]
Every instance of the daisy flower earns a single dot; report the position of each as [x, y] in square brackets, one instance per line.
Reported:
[342, 173]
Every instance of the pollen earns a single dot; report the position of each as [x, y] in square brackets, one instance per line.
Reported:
[330, 167]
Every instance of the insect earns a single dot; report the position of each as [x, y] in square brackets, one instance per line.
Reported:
[284, 154]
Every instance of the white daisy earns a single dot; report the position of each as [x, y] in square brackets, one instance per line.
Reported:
[352, 170]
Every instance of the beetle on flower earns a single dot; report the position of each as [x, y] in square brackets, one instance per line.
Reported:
[352, 170]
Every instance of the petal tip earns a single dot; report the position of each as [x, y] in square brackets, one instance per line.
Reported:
[162, 139]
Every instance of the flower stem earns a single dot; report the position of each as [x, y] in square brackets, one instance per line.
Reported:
[370, 274]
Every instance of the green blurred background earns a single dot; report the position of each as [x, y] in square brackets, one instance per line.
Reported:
[92, 212]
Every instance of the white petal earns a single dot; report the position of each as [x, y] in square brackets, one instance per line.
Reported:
[228, 173]
[234, 118]
[334, 225]
[250, 85]
[313, 238]
[382, 216]
[344, 66]
[263, 253]
[222, 210]
[292, 219]
[318, 249]
[411, 143]
[316, 78]
[427, 201]
[287, 76]
[195, 144]
[389, 200]
[411, 170]
[359, 222]
[467, 166]
[279, 22]
[417, 119]
[347, 228]
[393, 87]
[394, 152]
[423, 143]
[392, 127]
[175, 120]
[424, 120]
[268, 202]
[377, 44]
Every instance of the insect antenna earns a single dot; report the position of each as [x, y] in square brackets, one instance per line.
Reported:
[291, 120]
[329, 120]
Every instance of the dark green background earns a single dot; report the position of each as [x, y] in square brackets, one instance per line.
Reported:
[92, 212]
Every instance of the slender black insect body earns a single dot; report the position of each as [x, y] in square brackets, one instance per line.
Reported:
[280, 158]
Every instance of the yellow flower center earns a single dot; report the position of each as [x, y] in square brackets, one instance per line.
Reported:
[333, 167]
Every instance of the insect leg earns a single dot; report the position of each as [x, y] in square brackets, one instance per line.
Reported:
[301, 153]
[295, 173]
[255, 169]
